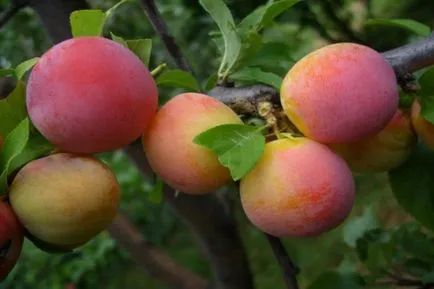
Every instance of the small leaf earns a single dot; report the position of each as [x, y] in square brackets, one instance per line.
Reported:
[409, 24]
[178, 78]
[426, 94]
[14, 144]
[413, 185]
[114, 7]
[257, 75]
[142, 48]
[211, 82]
[119, 40]
[237, 146]
[232, 42]
[13, 109]
[156, 194]
[356, 227]
[87, 22]
[336, 280]
[25, 66]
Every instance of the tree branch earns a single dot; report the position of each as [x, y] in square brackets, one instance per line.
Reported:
[160, 27]
[289, 269]
[151, 258]
[10, 11]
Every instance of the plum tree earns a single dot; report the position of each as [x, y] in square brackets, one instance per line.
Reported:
[383, 152]
[90, 94]
[423, 128]
[342, 92]
[169, 146]
[298, 188]
[11, 239]
[65, 199]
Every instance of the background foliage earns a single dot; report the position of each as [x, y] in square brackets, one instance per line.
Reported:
[102, 263]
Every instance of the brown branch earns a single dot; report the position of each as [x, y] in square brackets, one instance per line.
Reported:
[151, 258]
[289, 269]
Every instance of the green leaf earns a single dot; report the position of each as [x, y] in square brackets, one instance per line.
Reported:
[13, 109]
[356, 227]
[428, 278]
[156, 194]
[25, 66]
[114, 7]
[232, 42]
[119, 40]
[14, 144]
[426, 94]
[142, 48]
[88, 22]
[7, 72]
[409, 24]
[265, 15]
[257, 75]
[336, 280]
[211, 82]
[237, 146]
[251, 45]
[413, 185]
[178, 78]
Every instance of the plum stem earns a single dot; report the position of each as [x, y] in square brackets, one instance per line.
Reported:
[158, 70]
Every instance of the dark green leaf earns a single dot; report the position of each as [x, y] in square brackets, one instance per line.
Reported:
[13, 109]
[211, 82]
[413, 242]
[356, 227]
[114, 7]
[251, 45]
[428, 278]
[87, 22]
[426, 94]
[156, 194]
[142, 48]
[369, 237]
[409, 24]
[7, 72]
[336, 280]
[413, 185]
[25, 66]
[119, 40]
[237, 146]
[257, 75]
[178, 78]
[13, 145]
[417, 268]
[223, 17]
[264, 15]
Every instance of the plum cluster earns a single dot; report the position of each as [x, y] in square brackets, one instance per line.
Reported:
[343, 102]
[86, 95]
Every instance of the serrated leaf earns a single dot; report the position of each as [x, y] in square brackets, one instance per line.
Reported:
[413, 185]
[13, 145]
[119, 40]
[257, 75]
[178, 78]
[408, 24]
[142, 48]
[156, 194]
[264, 15]
[237, 146]
[88, 22]
[13, 109]
[356, 227]
[25, 66]
[336, 280]
[221, 14]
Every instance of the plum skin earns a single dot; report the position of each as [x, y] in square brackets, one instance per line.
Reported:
[340, 93]
[11, 231]
[298, 188]
[171, 152]
[90, 94]
[65, 199]
[383, 152]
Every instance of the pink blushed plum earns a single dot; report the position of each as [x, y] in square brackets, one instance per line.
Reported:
[171, 152]
[90, 95]
[298, 188]
[340, 93]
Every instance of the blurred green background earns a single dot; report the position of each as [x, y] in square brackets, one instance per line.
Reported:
[101, 262]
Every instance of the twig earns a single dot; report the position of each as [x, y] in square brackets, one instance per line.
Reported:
[290, 270]
[160, 27]
[10, 11]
